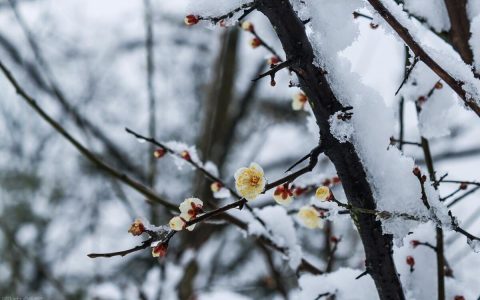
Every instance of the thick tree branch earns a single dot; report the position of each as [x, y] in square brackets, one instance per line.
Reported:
[378, 247]
[423, 55]
[460, 28]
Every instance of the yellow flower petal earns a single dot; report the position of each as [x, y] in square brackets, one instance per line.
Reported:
[250, 182]
[176, 223]
[323, 193]
[310, 217]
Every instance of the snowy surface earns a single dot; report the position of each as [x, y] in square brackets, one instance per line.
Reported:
[101, 66]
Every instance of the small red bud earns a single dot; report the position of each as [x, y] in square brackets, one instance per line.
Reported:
[185, 155]
[416, 172]
[191, 20]
[414, 243]
[336, 180]
[410, 261]
[459, 297]
[255, 42]
[438, 85]
[424, 178]
[373, 25]
[334, 239]
[422, 99]
[159, 153]
[160, 250]
[216, 186]
[463, 186]
[273, 82]
[273, 60]
[298, 191]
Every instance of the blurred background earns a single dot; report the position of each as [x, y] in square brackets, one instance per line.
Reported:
[100, 66]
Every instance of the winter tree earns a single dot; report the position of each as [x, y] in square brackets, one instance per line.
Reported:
[240, 149]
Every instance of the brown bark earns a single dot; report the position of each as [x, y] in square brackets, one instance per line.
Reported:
[460, 28]
[378, 247]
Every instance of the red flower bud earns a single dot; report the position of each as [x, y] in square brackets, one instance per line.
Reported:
[438, 85]
[414, 243]
[185, 155]
[410, 261]
[159, 153]
[255, 42]
[298, 191]
[191, 20]
[273, 60]
[417, 172]
[373, 25]
[463, 186]
[160, 250]
[336, 180]
[459, 297]
[334, 239]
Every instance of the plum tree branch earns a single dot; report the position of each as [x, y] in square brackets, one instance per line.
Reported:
[403, 32]
[147, 192]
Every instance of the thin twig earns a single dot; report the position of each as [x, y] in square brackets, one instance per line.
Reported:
[145, 244]
[151, 195]
[407, 74]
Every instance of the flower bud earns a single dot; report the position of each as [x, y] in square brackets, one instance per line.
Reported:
[160, 250]
[273, 60]
[177, 223]
[299, 100]
[336, 180]
[255, 42]
[248, 26]
[191, 20]
[215, 186]
[185, 155]
[438, 85]
[159, 153]
[410, 261]
[416, 172]
[334, 239]
[414, 243]
[323, 193]
[137, 228]
[283, 195]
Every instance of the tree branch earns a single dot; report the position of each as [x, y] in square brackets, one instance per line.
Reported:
[147, 192]
[423, 55]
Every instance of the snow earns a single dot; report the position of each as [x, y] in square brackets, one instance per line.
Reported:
[221, 295]
[389, 172]
[179, 147]
[433, 11]
[282, 230]
[340, 129]
[342, 283]
[474, 244]
[445, 56]
[475, 41]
